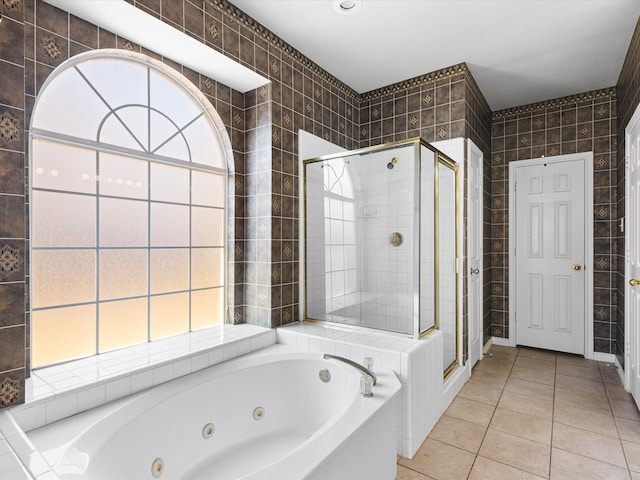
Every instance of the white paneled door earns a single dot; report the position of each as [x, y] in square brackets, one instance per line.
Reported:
[550, 254]
[632, 275]
[474, 156]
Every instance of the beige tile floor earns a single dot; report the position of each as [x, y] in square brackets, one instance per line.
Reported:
[529, 414]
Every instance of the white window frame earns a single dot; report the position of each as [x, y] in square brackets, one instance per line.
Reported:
[208, 112]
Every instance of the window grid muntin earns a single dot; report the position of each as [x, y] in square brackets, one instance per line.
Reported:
[150, 158]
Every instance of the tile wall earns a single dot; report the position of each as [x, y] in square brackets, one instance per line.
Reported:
[579, 123]
[13, 245]
[300, 96]
[262, 125]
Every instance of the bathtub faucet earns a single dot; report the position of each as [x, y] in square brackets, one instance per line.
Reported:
[365, 371]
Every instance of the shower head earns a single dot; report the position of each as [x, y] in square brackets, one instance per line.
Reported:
[392, 163]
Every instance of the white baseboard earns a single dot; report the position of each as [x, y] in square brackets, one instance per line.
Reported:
[487, 346]
[604, 357]
[504, 342]
[621, 373]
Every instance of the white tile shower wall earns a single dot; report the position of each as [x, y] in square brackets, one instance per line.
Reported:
[386, 206]
[417, 363]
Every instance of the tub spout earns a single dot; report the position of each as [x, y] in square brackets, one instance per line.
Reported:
[365, 371]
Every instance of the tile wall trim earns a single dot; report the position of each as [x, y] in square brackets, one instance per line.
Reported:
[444, 73]
[556, 102]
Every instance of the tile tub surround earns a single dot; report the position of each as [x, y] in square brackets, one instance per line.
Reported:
[417, 363]
[360, 429]
[16, 451]
[60, 391]
[57, 392]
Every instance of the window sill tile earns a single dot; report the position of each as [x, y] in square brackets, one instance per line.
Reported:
[60, 391]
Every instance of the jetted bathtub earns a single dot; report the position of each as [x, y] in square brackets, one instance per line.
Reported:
[266, 415]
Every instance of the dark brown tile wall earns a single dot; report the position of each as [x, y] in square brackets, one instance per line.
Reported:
[262, 125]
[300, 95]
[13, 244]
[628, 100]
[580, 123]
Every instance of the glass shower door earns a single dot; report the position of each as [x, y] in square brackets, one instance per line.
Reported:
[360, 216]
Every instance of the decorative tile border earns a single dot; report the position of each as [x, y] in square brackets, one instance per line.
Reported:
[557, 102]
[448, 72]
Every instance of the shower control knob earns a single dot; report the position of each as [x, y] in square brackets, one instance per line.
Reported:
[475, 271]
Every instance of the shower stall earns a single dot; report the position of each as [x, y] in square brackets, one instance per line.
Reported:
[381, 241]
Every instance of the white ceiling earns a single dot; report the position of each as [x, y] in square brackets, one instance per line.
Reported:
[518, 51]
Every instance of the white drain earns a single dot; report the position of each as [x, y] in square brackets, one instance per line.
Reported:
[258, 413]
[157, 468]
[208, 431]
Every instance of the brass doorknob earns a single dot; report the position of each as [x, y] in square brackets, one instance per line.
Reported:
[634, 282]
[577, 267]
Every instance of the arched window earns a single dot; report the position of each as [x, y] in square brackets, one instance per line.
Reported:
[128, 197]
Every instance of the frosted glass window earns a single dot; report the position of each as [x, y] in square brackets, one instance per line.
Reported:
[204, 148]
[163, 130]
[57, 166]
[176, 147]
[169, 225]
[109, 78]
[114, 132]
[64, 277]
[169, 184]
[207, 226]
[208, 189]
[171, 100]
[51, 341]
[169, 315]
[65, 220]
[136, 119]
[121, 208]
[123, 223]
[169, 270]
[122, 323]
[206, 307]
[81, 117]
[123, 176]
[206, 267]
[123, 273]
